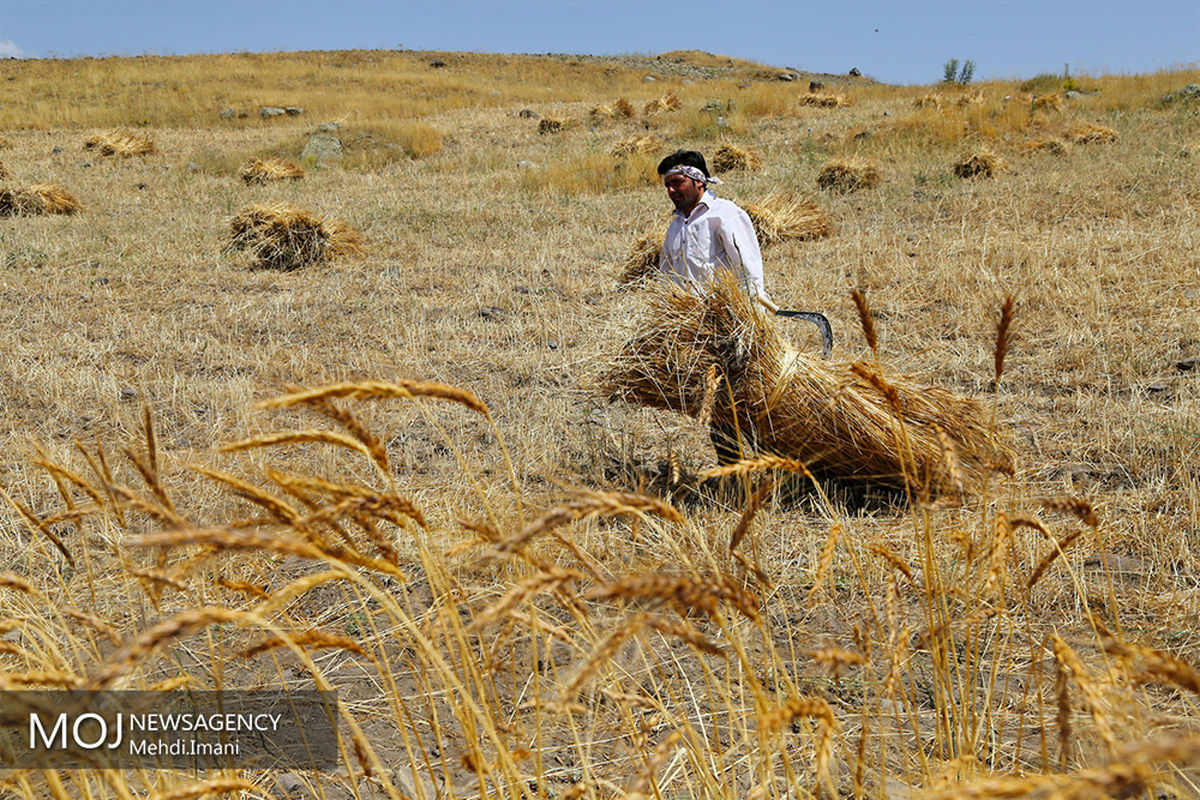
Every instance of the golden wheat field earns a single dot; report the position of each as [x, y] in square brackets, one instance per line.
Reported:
[382, 457]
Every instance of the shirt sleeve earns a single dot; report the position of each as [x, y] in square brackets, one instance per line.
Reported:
[741, 246]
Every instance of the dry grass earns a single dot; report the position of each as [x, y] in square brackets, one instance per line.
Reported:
[983, 163]
[928, 101]
[124, 144]
[284, 237]
[4, 173]
[848, 175]
[44, 198]
[1048, 102]
[260, 171]
[780, 217]
[486, 670]
[730, 157]
[1088, 133]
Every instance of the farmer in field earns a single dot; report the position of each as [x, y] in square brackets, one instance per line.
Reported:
[707, 235]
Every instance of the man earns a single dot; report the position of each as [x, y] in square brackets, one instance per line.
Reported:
[708, 234]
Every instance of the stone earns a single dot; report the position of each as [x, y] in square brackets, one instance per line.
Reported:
[129, 394]
[321, 147]
[887, 113]
[785, 76]
[193, 166]
[1187, 364]
[528, 113]
[1072, 94]
[526, 165]
[84, 164]
[722, 122]
[437, 63]
[229, 113]
[293, 111]
[329, 127]
[648, 79]
[854, 73]
[57, 149]
[490, 312]
[815, 86]
[861, 135]
[271, 111]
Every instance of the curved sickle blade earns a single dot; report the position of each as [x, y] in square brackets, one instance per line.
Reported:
[818, 319]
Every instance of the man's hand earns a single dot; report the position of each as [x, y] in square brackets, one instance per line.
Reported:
[767, 304]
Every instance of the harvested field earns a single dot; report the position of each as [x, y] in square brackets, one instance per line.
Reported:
[398, 476]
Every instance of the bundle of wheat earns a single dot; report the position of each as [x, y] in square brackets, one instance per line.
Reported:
[729, 157]
[1048, 102]
[284, 237]
[272, 169]
[42, 198]
[668, 102]
[602, 112]
[636, 145]
[928, 101]
[1056, 147]
[718, 357]
[780, 217]
[624, 109]
[554, 125]
[121, 143]
[985, 163]
[971, 99]
[848, 175]
[825, 100]
[642, 259]
[1085, 133]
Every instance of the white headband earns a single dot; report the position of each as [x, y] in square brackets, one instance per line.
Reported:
[691, 172]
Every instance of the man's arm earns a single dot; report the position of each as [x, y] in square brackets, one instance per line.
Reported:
[741, 244]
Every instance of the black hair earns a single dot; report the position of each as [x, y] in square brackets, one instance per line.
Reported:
[689, 158]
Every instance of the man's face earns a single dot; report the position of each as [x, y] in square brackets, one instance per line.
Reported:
[684, 192]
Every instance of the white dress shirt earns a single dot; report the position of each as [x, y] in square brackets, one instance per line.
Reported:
[716, 235]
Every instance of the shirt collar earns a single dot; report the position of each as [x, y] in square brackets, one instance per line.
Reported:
[703, 204]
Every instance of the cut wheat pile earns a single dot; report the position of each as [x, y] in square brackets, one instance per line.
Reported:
[1057, 147]
[621, 109]
[284, 237]
[42, 198]
[121, 143]
[1086, 133]
[272, 169]
[984, 164]
[636, 145]
[1048, 102]
[554, 125]
[825, 100]
[717, 357]
[780, 217]
[730, 157]
[848, 175]
[668, 102]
